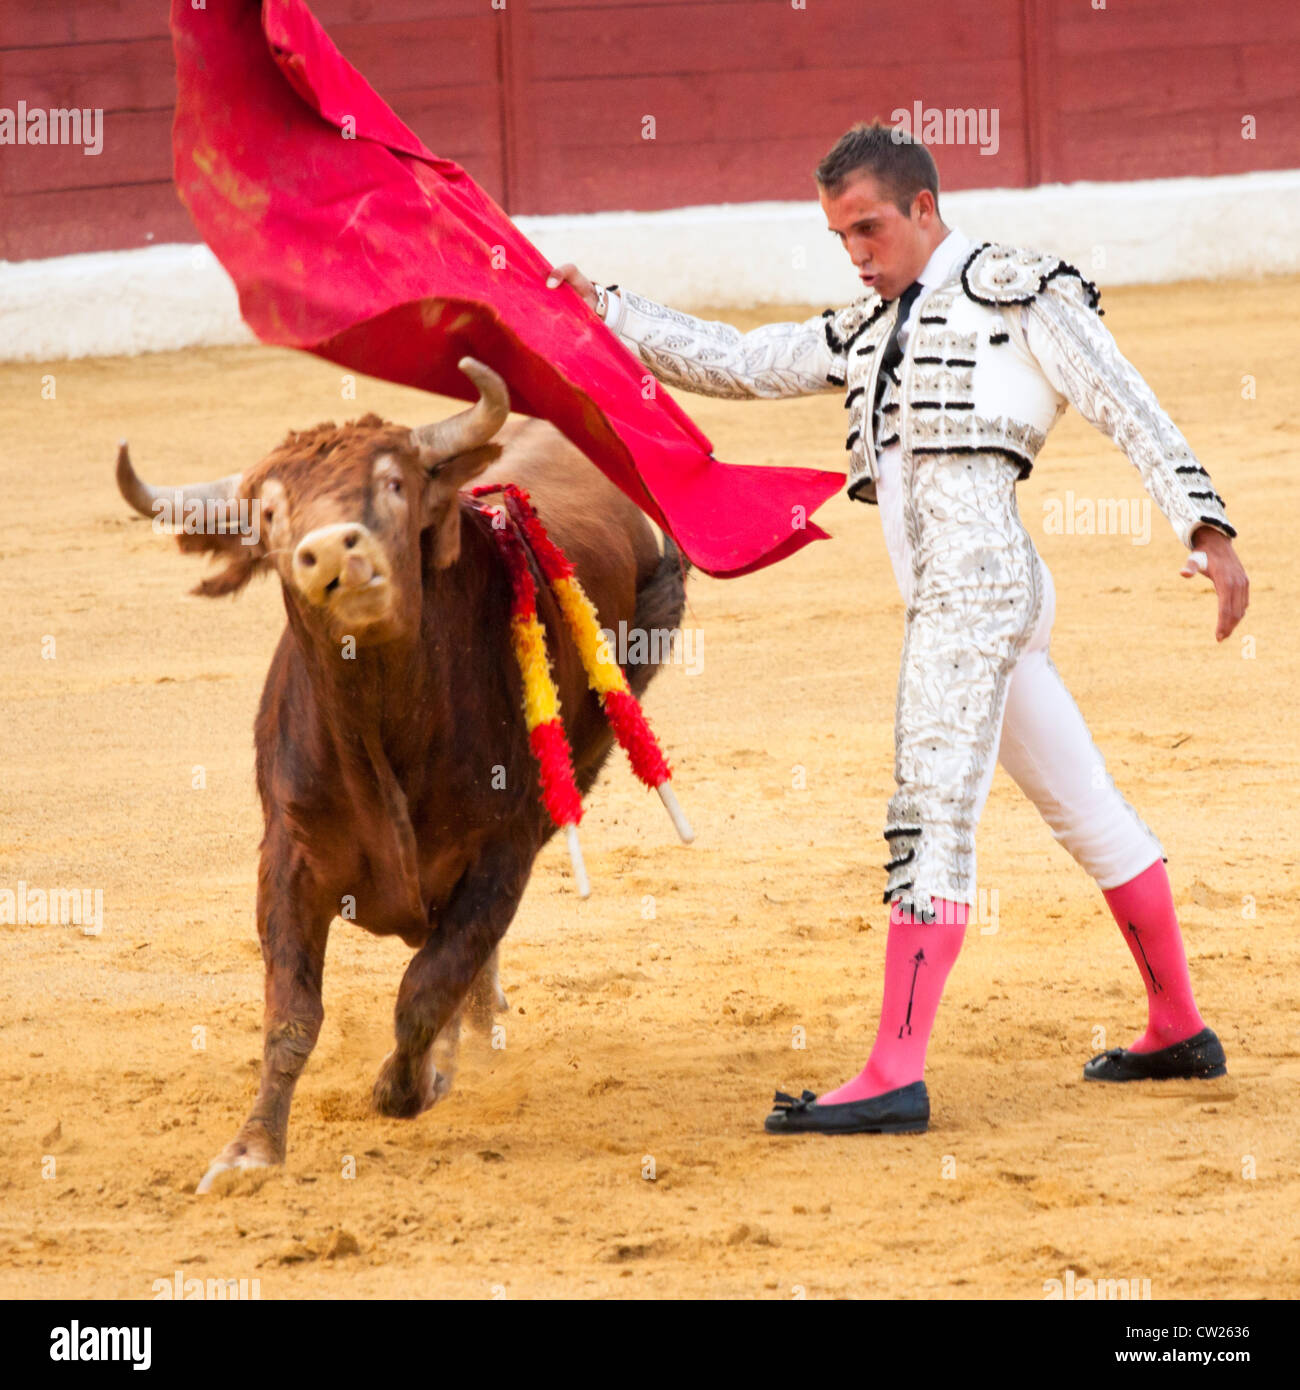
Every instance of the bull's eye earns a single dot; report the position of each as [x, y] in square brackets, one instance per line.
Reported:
[394, 485]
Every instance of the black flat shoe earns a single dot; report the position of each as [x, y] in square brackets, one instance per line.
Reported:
[904, 1111]
[1200, 1057]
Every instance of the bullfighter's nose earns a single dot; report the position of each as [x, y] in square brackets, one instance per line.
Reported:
[334, 560]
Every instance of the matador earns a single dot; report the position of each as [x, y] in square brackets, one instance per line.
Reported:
[954, 365]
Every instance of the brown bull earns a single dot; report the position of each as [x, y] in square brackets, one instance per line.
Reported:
[393, 763]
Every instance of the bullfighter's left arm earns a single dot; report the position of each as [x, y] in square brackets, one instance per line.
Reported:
[1081, 359]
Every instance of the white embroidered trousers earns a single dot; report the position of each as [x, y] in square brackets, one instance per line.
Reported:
[977, 687]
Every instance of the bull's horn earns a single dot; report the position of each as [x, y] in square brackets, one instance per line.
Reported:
[142, 495]
[460, 433]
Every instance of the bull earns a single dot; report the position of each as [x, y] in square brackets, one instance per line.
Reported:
[397, 784]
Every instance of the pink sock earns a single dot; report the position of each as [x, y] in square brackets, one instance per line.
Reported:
[918, 958]
[1144, 909]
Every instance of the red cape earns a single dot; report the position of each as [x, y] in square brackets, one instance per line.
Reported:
[346, 237]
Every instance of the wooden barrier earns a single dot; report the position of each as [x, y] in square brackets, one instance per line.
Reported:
[584, 105]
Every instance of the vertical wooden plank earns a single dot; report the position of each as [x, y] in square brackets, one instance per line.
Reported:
[1030, 93]
[1040, 152]
[518, 138]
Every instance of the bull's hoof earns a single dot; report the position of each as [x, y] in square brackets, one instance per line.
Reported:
[241, 1154]
[402, 1097]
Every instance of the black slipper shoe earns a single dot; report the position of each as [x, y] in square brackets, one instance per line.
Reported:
[904, 1111]
[1200, 1057]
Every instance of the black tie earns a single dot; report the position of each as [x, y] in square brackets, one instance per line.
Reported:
[891, 355]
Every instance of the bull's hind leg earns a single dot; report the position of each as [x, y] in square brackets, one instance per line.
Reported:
[480, 1006]
[441, 973]
[444, 1057]
[486, 998]
[293, 923]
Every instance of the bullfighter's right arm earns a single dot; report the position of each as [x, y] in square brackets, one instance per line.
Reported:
[717, 359]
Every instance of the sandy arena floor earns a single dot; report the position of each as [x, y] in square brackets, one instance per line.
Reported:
[652, 1022]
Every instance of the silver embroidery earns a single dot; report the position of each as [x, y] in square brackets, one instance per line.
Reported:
[976, 596]
[946, 343]
[951, 383]
[856, 316]
[977, 589]
[940, 429]
[938, 303]
[862, 360]
[716, 359]
[1009, 274]
[1085, 365]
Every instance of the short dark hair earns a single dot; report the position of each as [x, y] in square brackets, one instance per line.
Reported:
[898, 161]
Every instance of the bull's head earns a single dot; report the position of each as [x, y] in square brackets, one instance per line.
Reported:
[346, 515]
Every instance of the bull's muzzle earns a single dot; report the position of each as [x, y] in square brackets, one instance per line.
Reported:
[337, 564]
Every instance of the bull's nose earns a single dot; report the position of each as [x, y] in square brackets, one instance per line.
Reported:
[334, 558]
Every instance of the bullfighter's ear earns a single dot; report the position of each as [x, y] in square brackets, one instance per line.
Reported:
[441, 507]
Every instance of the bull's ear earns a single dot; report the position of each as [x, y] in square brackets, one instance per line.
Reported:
[204, 517]
[441, 499]
[243, 562]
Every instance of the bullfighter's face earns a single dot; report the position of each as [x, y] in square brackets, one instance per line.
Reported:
[888, 247]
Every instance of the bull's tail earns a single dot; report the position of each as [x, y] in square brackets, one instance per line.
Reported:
[660, 603]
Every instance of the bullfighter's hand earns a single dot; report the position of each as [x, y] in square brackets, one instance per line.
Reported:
[1225, 571]
[571, 275]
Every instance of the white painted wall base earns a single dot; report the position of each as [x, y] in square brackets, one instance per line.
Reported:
[160, 298]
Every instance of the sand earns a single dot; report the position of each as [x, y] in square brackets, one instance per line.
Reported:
[614, 1146]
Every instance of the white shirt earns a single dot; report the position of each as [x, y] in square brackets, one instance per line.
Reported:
[953, 249]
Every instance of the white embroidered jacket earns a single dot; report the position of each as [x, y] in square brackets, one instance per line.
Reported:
[994, 355]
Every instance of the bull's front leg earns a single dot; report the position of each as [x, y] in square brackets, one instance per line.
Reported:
[293, 920]
[441, 973]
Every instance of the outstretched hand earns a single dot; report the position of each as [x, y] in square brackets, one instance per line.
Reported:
[1225, 572]
[570, 274]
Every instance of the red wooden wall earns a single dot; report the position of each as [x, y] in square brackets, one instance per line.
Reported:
[544, 101]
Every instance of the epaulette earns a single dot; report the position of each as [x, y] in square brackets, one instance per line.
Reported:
[997, 275]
